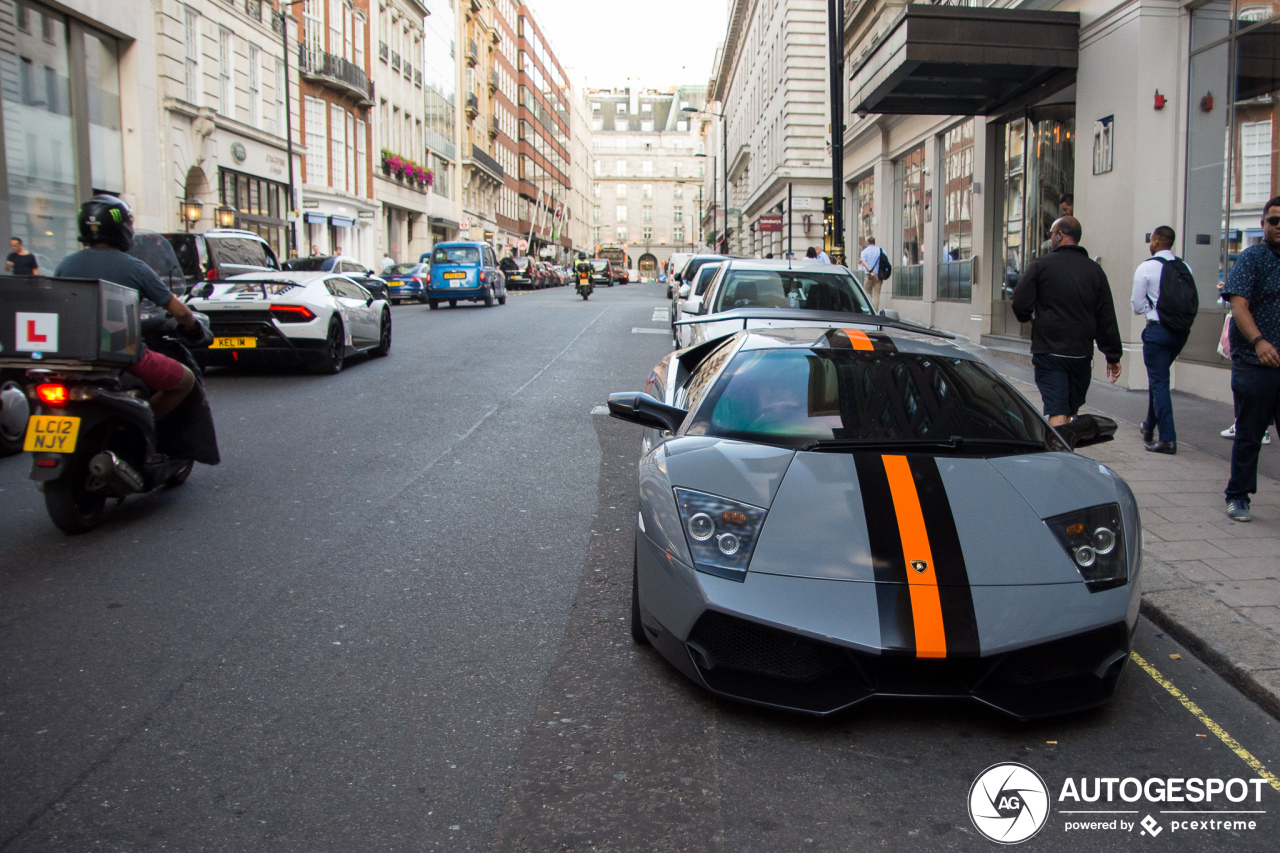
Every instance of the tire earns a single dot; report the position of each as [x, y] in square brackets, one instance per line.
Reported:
[14, 412]
[585, 295]
[181, 477]
[488, 299]
[395, 301]
[335, 352]
[384, 336]
[71, 509]
[637, 627]
[502, 300]
[453, 303]
[434, 303]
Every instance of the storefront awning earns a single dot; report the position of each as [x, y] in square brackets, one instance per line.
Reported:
[441, 222]
[317, 218]
[341, 221]
[954, 60]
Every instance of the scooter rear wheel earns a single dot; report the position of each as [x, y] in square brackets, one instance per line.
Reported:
[71, 508]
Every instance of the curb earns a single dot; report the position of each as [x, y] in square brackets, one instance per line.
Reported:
[1242, 652]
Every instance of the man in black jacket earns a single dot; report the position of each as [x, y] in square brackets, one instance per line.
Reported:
[1067, 299]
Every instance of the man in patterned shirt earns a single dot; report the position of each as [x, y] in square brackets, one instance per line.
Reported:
[1253, 287]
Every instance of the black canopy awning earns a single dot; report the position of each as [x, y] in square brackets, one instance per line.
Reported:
[955, 60]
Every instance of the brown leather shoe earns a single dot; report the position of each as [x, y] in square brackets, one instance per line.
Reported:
[1170, 447]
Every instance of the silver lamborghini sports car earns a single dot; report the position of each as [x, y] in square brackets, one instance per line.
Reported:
[828, 515]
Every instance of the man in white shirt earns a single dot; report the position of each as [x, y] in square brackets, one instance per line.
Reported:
[869, 260]
[387, 261]
[1160, 344]
[823, 257]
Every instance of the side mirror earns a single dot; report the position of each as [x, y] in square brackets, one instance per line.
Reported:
[1086, 430]
[684, 291]
[889, 314]
[368, 301]
[645, 410]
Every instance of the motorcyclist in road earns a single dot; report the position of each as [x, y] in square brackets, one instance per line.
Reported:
[106, 227]
[583, 266]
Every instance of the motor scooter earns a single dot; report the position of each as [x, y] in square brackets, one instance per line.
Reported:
[584, 287]
[93, 436]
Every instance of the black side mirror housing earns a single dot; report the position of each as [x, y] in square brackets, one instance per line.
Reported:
[645, 410]
[1086, 430]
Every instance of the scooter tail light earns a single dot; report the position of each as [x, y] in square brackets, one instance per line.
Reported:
[53, 394]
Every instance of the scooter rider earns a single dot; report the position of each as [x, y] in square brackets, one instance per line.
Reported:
[583, 266]
[106, 227]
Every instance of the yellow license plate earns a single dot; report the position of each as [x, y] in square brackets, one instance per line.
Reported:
[48, 434]
[234, 343]
[455, 275]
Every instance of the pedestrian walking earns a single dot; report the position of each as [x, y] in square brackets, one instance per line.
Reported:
[20, 261]
[1067, 299]
[869, 260]
[811, 253]
[1253, 287]
[387, 261]
[1164, 291]
[823, 257]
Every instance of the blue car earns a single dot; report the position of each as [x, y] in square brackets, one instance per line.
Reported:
[465, 271]
[407, 281]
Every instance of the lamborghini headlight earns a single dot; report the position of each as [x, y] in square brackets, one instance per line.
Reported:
[721, 533]
[1094, 539]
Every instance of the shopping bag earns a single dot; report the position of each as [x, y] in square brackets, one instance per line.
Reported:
[1224, 340]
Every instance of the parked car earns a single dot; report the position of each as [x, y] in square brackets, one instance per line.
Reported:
[465, 271]
[677, 262]
[344, 265]
[601, 274]
[315, 319]
[407, 281]
[156, 251]
[689, 299]
[521, 273]
[221, 253]
[827, 515]
[686, 271]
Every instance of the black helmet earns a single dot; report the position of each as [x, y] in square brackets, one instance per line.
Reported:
[106, 219]
[582, 256]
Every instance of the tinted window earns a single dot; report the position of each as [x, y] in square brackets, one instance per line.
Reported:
[305, 264]
[793, 396]
[238, 251]
[705, 275]
[184, 246]
[694, 264]
[790, 288]
[515, 264]
[456, 255]
[402, 269]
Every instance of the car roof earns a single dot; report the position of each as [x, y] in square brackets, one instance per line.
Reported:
[865, 331]
[806, 264]
[460, 243]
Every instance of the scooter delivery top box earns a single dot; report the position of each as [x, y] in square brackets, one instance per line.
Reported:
[60, 320]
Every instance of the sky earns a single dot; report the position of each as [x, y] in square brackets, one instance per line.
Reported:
[660, 42]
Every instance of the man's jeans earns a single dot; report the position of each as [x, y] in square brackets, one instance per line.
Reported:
[1257, 396]
[1159, 348]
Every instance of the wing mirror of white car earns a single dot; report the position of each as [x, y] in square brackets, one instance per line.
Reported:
[684, 291]
[889, 314]
[646, 410]
[368, 301]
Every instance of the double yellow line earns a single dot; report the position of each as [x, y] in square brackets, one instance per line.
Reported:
[1232, 744]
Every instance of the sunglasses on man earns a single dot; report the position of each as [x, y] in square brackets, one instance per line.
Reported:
[1273, 221]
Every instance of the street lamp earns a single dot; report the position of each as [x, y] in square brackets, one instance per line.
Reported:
[191, 209]
[225, 216]
[290, 233]
[724, 155]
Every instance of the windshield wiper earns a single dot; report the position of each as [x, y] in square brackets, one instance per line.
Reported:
[956, 442]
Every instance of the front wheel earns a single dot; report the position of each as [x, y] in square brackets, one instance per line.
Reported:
[71, 508]
[434, 303]
[488, 298]
[384, 335]
[637, 626]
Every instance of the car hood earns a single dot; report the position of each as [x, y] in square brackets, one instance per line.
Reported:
[836, 516]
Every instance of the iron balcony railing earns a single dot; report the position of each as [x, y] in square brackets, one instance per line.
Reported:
[408, 69]
[473, 53]
[335, 71]
[383, 51]
[472, 104]
[395, 61]
[417, 78]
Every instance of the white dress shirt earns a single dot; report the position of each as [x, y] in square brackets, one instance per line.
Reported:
[870, 258]
[1146, 285]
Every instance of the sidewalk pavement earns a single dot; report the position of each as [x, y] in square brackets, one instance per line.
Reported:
[1211, 583]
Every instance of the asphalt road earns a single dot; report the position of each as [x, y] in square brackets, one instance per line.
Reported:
[394, 619]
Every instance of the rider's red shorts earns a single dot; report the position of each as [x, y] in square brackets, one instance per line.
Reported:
[159, 371]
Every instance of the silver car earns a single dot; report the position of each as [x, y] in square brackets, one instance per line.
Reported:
[831, 514]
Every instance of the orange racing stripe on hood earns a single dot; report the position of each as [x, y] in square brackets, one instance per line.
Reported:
[926, 605]
[858, 339]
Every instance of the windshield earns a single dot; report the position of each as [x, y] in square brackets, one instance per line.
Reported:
[791, 397]
[782, 288]
[401, 269]
[305, 264]
[456, 255]
[514, 263]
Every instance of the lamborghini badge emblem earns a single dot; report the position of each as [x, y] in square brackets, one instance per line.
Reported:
[920, 566]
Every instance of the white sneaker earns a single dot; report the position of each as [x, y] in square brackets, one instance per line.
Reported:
[1229, 432]
[1266, 437]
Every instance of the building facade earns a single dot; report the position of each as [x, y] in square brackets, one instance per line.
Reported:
[504, 125]
[440, 33]
[1129, 114]
[339, 213]
[542, 114]
[581, 192]
[770, 85]
[647, 171]
[402, 177]
[228, 97]
[78, 95]
[482, 174]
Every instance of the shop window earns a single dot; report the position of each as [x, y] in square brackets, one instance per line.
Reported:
[954, 267]
[864, 199]
[908, 278]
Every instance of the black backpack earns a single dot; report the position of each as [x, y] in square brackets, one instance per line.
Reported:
[884, 269]
[1179, 301]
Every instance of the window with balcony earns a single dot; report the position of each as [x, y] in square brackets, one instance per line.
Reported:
[677, 233]
[647, 233]
[677, 215]
[622, 233]
[646, 213]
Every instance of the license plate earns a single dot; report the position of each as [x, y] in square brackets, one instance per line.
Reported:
[455, 275]
[48, 434]
[234, 343]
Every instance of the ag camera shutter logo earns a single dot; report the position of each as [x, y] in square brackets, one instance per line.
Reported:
[1008, 803]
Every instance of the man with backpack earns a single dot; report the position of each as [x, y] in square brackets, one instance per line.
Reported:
[875, 263]
[1165, 291]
